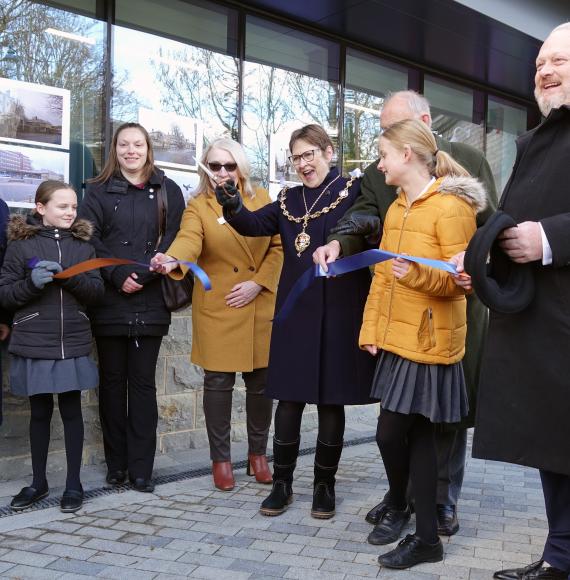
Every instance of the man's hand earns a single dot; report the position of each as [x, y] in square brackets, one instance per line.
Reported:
[326, 254]
[462, 279]
[129, 285]
[4, 331]
[522, 244]
[242, 294]
[228, 197]
[359, 224]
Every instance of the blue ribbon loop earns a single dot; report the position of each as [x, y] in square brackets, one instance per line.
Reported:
[349, 264]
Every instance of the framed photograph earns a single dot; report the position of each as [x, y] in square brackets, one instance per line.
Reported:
[34, 114]
[186, 180]
[176, 140]
[22, 169]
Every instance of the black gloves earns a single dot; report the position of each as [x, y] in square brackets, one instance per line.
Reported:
[359, 224]
[229, 198]
[43, 273]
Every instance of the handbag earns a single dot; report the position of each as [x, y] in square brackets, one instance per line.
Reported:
[177, 294]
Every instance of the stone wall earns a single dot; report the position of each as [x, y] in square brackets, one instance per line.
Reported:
[181, 420]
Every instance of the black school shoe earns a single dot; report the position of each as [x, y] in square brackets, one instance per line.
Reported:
[28, 496]
[447, 522]
[116, 476]
[390, 526]
[143, 485]
[71, 501]
[410, 551]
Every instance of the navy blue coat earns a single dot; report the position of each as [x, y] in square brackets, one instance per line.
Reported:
[314, 355]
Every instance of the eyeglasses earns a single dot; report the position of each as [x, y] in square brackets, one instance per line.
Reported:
[215, 166]
[305, 156]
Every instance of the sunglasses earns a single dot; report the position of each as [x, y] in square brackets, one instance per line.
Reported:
[215, 166]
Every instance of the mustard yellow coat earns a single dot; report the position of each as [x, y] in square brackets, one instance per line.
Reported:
[228, 339]
[421, 317]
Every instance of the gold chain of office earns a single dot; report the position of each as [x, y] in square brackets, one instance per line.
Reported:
[303, 239]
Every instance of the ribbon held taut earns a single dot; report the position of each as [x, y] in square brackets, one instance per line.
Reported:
[350, 264]
[94, 263]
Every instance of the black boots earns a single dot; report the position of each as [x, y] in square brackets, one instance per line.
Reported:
[327, 458]
[284, 462]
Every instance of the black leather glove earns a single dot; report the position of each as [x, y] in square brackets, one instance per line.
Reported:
[229, 198]
[43, 272]
[359, 224]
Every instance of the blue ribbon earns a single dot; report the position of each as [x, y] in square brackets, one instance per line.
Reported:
[350, 264]
[197, 271]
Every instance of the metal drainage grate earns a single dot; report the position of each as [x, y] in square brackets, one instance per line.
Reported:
[159, 480]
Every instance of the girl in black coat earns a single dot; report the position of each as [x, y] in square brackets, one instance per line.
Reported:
[314, 355]
[51, 337]
[132, 318]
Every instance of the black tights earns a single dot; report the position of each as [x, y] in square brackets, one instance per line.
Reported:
[407, 445]
[288, 422]
[41, 412]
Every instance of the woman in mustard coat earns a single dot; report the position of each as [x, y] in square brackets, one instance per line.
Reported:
[231, 324]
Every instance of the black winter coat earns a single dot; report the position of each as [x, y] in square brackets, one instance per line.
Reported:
[523, 413]
[125, 220]
[49, 323]
[314, 355]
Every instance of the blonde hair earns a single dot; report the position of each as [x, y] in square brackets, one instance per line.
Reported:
[239, 156]
[420, 139]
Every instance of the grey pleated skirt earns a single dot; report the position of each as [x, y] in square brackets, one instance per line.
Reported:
[34, 376]
[434, 390]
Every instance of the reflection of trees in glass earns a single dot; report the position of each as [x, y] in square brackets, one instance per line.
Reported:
[29, 53]
[274, 97]
[361, 127]
[200, 84]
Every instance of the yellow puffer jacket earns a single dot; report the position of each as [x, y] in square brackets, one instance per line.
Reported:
[421, 316]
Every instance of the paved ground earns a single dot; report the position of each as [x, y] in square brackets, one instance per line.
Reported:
[188, 529]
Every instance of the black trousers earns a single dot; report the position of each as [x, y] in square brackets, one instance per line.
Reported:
[556, 489]
[218, 390]
[127, 402]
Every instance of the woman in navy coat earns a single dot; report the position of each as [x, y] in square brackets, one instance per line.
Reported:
[314, 355]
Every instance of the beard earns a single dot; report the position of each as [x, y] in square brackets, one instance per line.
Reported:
[546, 104]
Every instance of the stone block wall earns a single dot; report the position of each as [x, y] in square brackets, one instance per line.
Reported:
[181, 420]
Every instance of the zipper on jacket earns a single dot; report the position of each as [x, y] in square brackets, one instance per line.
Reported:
[430, 327]
[25, 318]
[60, 303]
[389, 316]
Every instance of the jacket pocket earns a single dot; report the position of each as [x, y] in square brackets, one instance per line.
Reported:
[426, 331]
[25, 318]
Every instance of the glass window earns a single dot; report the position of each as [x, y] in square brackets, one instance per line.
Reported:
[183, 95]
[452, 114]
[51, 98]
[201, 23]
[368, 81]
[281, 94]
[274, 44]
[87, 7]
[505, 122]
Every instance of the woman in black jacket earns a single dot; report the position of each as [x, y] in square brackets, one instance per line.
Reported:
[51, 337]
[132, 318]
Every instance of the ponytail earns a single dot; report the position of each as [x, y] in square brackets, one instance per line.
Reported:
[445, 165]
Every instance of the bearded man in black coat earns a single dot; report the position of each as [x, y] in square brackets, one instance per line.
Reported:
[523, 410]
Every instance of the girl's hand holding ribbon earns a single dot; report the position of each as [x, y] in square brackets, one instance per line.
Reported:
[400, 267]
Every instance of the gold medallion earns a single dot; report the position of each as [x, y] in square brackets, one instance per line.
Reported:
[302, 242]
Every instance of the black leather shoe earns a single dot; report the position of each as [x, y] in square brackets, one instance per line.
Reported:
[116, 476]
[534, 571]
[411, 551]
[390, 527]
[376, 513]
[323, 507]
[447, 523]
[277, 501]
[71, 500]
[143, 485]
[28, 496]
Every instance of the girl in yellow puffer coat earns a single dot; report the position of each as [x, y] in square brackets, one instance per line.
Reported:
[415, 320]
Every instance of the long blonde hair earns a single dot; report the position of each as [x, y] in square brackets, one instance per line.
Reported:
[243, 167]
[420, 139]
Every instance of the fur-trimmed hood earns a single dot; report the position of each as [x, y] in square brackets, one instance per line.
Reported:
[23, 228]
[467, 188]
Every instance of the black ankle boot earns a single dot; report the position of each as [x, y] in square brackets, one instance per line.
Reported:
[326, 465]
[284, 462]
